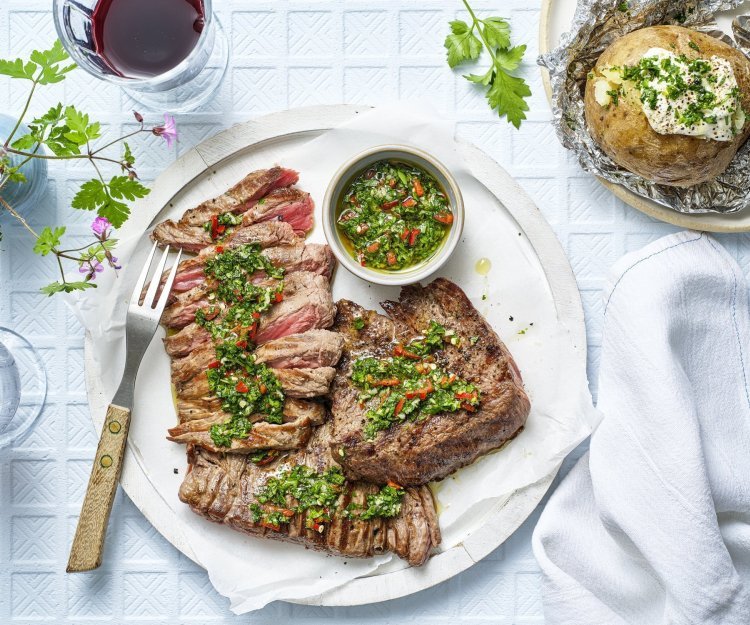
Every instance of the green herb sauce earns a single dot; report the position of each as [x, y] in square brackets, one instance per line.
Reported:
[302, 490]
[408, 387]
[394, 215]
[245, 388]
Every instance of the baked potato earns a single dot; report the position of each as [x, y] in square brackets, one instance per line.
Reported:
[627, 93]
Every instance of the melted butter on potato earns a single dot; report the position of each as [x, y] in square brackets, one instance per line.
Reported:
[694, 97]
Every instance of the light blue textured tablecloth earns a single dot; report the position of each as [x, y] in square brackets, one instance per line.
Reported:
[285, 54]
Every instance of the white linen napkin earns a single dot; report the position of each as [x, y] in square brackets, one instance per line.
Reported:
[652, 526]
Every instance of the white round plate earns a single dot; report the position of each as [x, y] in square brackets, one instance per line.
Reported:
[556, 18]
[262, 141]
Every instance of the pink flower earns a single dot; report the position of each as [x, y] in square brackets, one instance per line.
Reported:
[100, 226]
[91, 268]
[168, 130]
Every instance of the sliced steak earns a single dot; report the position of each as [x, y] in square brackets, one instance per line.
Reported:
[290, 206]
[314, 348]
[313, 257]
[417, 452]
[242, 195]
[221, 487]
[305, 383]
[182, 310]
[303, 311]
[284, 213]
[196, 409]
[299, 383]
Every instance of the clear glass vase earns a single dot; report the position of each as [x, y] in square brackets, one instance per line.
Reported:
[22, 195]
[183, 88]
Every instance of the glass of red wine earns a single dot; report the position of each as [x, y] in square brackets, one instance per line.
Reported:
[169, 55]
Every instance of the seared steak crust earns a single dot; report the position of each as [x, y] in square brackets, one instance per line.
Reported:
[418, 452]
[221, 488]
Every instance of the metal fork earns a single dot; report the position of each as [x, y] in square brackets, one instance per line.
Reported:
[142, 321]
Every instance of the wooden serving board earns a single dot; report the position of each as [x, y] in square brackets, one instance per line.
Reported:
[261, 142]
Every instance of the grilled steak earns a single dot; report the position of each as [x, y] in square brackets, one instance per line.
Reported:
[299, 419]
[305, 383]
[300, 383]
[182, 310]
[222, 487]
[419, 451]
[315, 348]
[301, 312]
[290, 208]
[315, 258]
[242, 195]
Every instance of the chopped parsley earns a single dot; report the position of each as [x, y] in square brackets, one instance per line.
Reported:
[218, 224]
[302, 490]
[359, 324]
[686, 96]
[385, 503]
[394, 215]
[408, 386]
[246, 389]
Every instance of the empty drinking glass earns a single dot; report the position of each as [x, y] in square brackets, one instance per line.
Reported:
[23, 386]
[168, 55]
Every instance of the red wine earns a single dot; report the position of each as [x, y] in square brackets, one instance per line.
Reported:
[145, 38]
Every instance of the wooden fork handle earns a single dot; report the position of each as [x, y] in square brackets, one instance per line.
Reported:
[86, 552]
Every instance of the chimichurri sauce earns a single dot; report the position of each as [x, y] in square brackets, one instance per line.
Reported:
[246, 389]
[394, 215]
[409, 386]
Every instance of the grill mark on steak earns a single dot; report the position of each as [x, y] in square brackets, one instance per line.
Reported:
[419, 452]
[241, 196]
[221, 488]
[314, 348]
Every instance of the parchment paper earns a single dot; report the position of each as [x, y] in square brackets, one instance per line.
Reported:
[514, 296]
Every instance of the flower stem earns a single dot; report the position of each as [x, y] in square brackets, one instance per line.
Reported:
[476, 21]
[15, 214]
[21, 116]
[127, 136]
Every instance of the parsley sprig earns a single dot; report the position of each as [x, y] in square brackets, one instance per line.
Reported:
[66, 133]
[506, 93]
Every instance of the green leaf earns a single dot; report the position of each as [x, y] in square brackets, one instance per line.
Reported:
[46, 58]
[16, 176]
[127, 156]
[25, 142]
[510, 59]
[59, 143]
[49, 62]
[483, 79]
[497, 32]
[54, 115]
[117, 212]
[90, 196]
[507, 95]
[123, 187]
[462, 44]
[17, 69]
[66, 287]
[48, 240]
